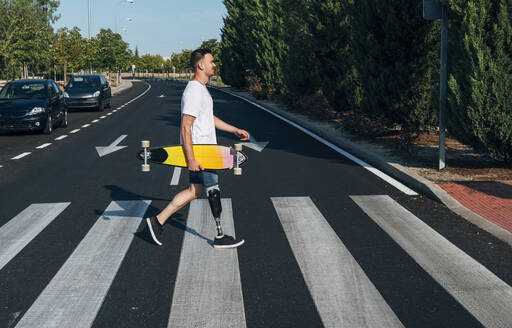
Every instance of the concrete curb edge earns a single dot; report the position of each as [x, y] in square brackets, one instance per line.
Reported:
[125, 85]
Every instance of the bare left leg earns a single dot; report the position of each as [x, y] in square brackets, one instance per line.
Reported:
[181, 199]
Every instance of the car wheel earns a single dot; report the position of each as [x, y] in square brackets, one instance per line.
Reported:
[64, 122]
[48, 128]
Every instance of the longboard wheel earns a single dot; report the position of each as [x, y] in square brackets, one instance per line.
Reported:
[237, 171]
[144, 143]
[238, 147]
[145, 168]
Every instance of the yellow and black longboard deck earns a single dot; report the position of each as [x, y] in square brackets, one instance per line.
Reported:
[211, 157]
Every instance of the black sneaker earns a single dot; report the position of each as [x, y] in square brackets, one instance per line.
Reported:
[155, 228]
[226, 241]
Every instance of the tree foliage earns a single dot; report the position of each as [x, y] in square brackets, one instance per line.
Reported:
[234, 44]
[112, 52]
[26, 32]
[480, 75]
[27, 40]
[380, 60]
[389, 43]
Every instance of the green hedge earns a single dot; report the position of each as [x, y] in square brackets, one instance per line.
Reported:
[480, 75]
[380, 59]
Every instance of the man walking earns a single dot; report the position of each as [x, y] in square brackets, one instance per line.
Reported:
[198, 126]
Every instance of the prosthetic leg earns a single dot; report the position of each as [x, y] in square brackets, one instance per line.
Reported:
[213, 194]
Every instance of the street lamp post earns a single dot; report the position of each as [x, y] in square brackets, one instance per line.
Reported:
[89, 27]
[433, 9]
[89, 17]
[116, 9]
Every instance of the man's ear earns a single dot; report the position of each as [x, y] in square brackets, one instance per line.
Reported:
[200, 65]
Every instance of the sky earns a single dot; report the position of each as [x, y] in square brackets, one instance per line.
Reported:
[158, 27]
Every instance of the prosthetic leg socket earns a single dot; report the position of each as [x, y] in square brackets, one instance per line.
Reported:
[213, 194]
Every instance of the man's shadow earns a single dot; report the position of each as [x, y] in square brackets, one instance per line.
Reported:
[177, 220]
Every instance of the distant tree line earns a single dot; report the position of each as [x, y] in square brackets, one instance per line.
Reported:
[28, 43]
[379, 60]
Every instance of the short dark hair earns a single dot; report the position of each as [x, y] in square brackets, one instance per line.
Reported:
[197, 55]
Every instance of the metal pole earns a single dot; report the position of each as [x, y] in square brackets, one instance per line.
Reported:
[89, 17]
[442, 104]
[89, 28]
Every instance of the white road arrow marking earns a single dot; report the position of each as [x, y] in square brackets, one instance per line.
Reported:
[102, 151]
[253, 144]
[161, 96]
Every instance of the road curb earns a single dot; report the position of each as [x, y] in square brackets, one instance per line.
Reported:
[395, 170]
[125, 85]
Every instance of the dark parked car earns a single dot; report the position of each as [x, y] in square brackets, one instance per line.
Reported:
[88, 91]
[32, 105]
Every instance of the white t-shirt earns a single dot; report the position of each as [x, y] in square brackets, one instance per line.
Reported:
[197, 102]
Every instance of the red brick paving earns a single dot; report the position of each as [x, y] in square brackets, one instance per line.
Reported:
[490, 199]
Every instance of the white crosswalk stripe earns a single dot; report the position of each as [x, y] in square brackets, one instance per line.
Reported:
[483, 294]
[24, 227]
[75, 294]
[208, 290]
[176, 176]
[343, 294]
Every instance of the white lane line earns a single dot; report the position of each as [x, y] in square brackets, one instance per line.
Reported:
[43, 146]
[75, 294]
[103, 116]
[85, 125]
[61, 137]
[118, 108]
[75, 131]
[400, 186]
[343, 294]
[142, 94]
[480, 291]
[21, 155]
[20, 230]
[94, 121]
[176, 176]
[208, 291]
[115, 110]
[108, 114]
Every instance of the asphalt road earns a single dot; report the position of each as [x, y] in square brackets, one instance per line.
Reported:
[328, 243]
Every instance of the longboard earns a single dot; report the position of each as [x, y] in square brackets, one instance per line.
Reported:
[211, 157]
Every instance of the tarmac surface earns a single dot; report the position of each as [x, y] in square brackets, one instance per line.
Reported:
[329, 240]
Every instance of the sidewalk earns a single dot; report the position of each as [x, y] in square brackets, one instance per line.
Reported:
[125, 84]
[487, 204]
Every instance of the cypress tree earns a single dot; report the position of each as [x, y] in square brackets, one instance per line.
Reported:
[265, 51]
[390, 45]
[233, 45]
[299, 63]
[480, 75]
[330, 35]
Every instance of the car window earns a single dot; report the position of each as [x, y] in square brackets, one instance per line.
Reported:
[28, 90]
[51, 90]
[103, 81]
[57, 89]
[84, 82]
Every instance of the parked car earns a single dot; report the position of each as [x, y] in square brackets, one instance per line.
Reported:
[88, 91]
[32, 105]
